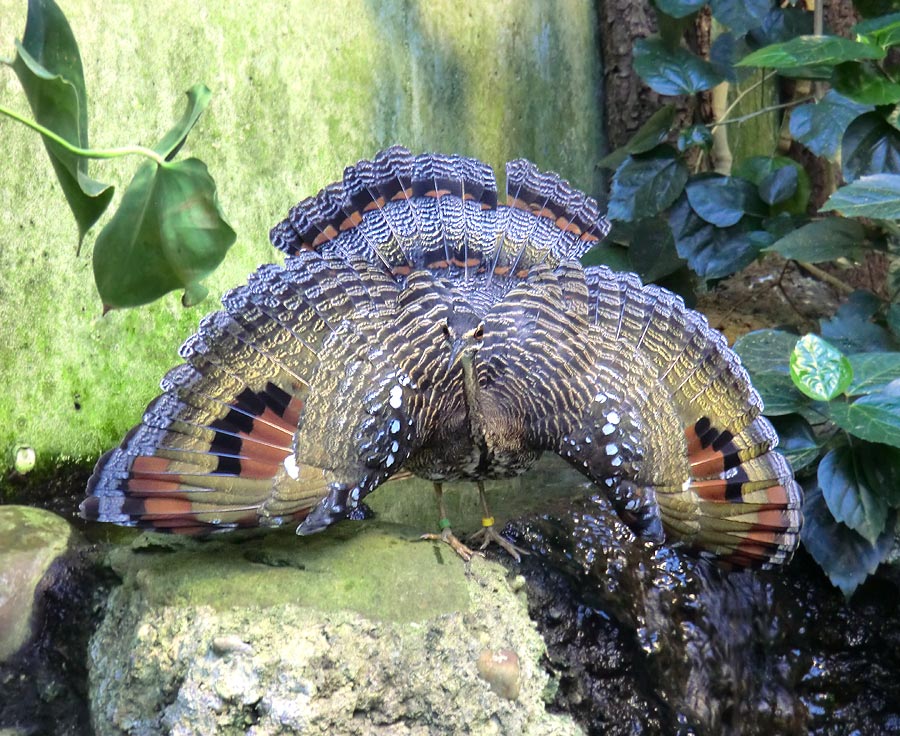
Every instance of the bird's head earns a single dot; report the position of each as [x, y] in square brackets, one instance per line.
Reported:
[464, 336]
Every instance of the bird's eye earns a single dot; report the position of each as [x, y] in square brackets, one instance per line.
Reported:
[479, 332]
[445, 328]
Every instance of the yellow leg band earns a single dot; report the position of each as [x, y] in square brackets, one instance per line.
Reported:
[487, 521]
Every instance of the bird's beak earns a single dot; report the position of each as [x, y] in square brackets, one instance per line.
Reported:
[456, 351]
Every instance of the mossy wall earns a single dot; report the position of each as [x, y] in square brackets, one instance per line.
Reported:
[301, 89]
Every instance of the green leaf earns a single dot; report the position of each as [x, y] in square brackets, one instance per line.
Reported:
[779, 395]
[851, 328]
[605, 254]
[883, 31]
[695, 136]
[779, 186]
[673, 72]
[819, 369]
[649, 135]
[740, 15]
[848, 495]
[873, 372]
[766, 351]
[723, 200]
[679, 8]
[652, 251]
[820, 126]
[845, 556]
[876, 196]
[796, 441]
[822, 240]
[782, 24]
[712, 252]
[757, 168]
[875, 417]
[871, 145]
[865, 83]
[809, 51]
[168, 233]
[893, 319]
[48, 66]
[881, 467]
[645, 185]
[198, 99]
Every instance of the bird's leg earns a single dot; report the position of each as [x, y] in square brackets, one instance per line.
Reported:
[488, 534]
[447, 536]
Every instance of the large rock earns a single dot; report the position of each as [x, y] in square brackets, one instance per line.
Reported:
[31, 540]
[355, 631]
[300, 90]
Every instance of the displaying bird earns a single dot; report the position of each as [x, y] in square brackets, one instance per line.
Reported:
[418, 325]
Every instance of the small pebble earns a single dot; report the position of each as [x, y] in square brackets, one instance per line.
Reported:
[500, 669]
[230, 643]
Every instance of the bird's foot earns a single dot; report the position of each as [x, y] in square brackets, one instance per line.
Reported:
[448, 537]
[488, 534]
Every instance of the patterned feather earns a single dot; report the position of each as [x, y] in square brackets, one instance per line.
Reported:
[419, 326]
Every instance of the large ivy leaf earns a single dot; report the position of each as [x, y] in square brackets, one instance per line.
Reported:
[822, 240]
[198, 99]
[649, 135]
[819, 369]
[759, 168]
[796, 440]
[48, 66]
[782, 24]
[652, 251]
[811, 51]
[845, 556]
[168, 233]
[723, 200]
[679, 8]
[865, 83]
[740, 15]
[874, 417]
[713, 252]
[871, 145]
[673, 71]
[884, 31]
[876, 196]
[820, 126]
[780, 185]
[766, 351]
[848, 495]
[645, 185]
[873, 372]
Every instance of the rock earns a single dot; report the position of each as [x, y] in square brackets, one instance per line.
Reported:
[356, 631]
[500, 669]
[31, 540]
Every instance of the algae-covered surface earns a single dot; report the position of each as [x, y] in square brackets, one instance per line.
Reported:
[300, 90]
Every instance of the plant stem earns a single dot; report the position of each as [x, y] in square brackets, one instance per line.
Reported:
[826, 277]
[742, 95]
[84, 152]
[763, 111]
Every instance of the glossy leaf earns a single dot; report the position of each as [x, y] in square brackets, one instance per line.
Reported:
[779, 394]
[712, 252]
[883, 31]
[782, 24]
[198, 99]
[873, 372]
[819, 369]
[822, 240]
[48, 66]
[168, 233]
[679, 8]
[820, 126]
[740, 15]
[876, 196]
[848, 495]
[881, 467]
[852, 330]
[646, 185]
[758, 168]
[723, 200]
[649, 135]
[865, 83]
[796, 441]
[652, 251]
[779, 186]
[871, 145]
[874, 417]
[609, 255]
[807, 51]
[845, 556]
[673, 71]
[766, 351]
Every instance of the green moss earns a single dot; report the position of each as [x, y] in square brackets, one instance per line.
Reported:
[369, 568]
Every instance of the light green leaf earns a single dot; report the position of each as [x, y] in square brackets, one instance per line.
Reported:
[875, 417]
[806, 51]
[883, 31]
[822, 240]
[873, 372]
[876, 196]
[819, 369]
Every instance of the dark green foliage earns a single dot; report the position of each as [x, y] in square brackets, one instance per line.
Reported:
[168, 232]
[834, 396]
